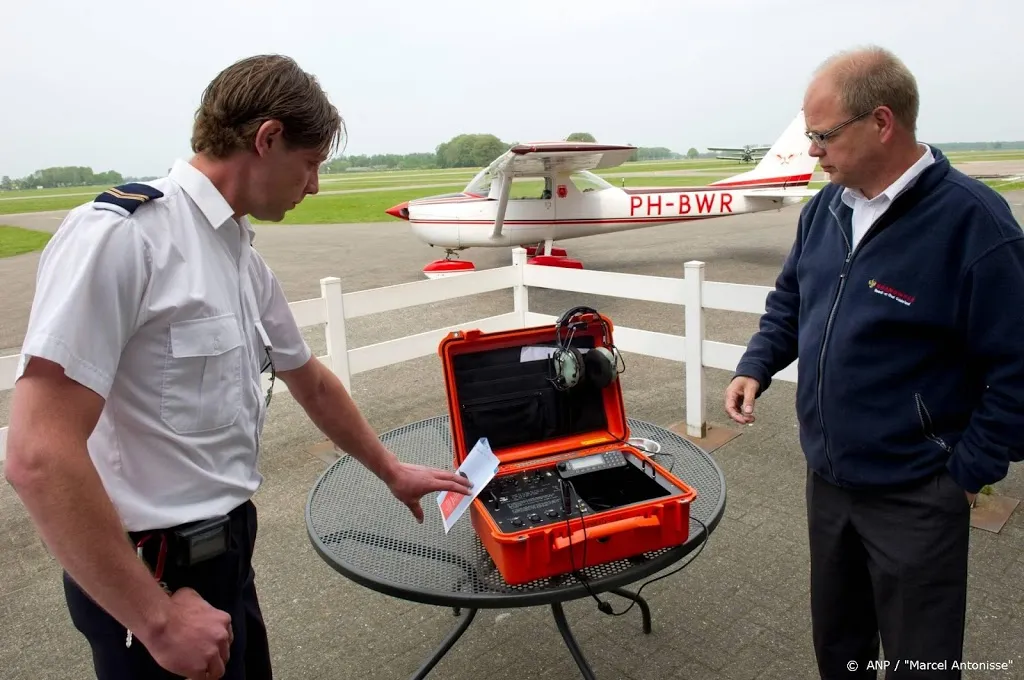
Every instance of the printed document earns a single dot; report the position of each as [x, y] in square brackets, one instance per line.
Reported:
[479, 467]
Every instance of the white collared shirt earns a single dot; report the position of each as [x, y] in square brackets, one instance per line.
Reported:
[866, 211]
[153, 310]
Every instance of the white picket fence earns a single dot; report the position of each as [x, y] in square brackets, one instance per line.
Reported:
[334, 307]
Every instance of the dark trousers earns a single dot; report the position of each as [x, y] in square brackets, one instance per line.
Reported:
[892, 564]
[225, 581]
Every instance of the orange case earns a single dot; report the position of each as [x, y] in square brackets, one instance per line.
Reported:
[495, 391]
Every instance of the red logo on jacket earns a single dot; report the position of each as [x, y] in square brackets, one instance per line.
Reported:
[890, 292]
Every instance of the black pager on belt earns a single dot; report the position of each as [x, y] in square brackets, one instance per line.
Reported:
[202, 540]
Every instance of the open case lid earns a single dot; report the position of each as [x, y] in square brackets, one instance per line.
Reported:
[499, 386]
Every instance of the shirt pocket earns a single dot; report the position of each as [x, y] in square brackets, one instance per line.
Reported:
[202, 375]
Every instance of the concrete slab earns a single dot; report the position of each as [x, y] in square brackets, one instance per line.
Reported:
[714, 437]
[991, 511]
[326, 451]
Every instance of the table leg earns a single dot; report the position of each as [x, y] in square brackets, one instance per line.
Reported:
[446, 645]
[645, 611]
[570, 642]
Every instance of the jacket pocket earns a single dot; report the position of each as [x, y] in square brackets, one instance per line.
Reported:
[927, 427]
[201, 387]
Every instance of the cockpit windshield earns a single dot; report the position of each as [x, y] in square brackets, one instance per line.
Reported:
[481, 184]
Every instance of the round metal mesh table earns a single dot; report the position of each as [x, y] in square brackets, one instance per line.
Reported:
[365, 533]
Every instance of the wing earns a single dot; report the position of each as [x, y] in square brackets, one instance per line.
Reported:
[543, 158]
[537, 160]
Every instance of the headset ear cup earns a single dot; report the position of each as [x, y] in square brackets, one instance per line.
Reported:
[569, 367]
[600, 366]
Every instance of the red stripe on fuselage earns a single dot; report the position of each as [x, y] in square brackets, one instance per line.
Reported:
[760, 182]
[615, 220]
[708, 189]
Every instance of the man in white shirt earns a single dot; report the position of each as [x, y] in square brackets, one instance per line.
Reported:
[138, 408]
[901, 302]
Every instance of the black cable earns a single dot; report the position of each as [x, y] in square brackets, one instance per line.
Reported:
[578, 573]
[707, 535]
[603, 605]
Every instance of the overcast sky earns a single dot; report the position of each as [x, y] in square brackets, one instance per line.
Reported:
[112, 86]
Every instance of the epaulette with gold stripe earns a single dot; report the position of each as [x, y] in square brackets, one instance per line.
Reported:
[126, 198]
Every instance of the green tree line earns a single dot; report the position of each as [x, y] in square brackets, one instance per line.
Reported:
[467, 151]
[65, 176]
[461, 151]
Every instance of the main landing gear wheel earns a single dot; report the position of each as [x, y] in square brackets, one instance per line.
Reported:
[555, 252]
[448, 267]
[555, 261]
[546, 255]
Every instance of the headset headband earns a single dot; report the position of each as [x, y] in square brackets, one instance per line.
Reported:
[567, 316]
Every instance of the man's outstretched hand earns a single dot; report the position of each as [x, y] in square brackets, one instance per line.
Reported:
[411, 482]
[739, 399]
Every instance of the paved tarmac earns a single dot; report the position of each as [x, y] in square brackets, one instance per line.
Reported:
[739, 611]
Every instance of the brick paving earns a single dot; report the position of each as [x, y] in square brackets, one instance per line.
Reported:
[740, 611]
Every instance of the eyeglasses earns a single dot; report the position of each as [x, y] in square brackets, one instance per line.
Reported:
[820, 139]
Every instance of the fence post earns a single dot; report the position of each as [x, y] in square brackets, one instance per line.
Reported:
[520, 304]
[337, 347]
[693, 285]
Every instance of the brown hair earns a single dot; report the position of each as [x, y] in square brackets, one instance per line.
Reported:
[256, 89]
[871, 76]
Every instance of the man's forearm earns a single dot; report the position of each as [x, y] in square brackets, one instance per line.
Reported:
[71, 510]
[331, 408]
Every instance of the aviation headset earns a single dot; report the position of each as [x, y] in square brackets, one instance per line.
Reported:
[599, 365]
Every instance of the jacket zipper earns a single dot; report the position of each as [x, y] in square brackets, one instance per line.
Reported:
[824, 341]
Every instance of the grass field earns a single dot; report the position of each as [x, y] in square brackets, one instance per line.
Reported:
[368, 194]
[359, 207]
[17, 241]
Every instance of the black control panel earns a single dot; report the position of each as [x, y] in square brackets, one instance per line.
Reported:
[550, 494]
[528, 499]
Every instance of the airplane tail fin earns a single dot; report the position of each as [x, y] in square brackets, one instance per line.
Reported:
[786, 164]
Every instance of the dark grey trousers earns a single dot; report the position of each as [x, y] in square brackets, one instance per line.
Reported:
[891, 565]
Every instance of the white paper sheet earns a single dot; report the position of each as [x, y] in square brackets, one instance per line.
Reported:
[480, 467]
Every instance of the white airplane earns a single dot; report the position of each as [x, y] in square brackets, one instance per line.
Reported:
[574, 202]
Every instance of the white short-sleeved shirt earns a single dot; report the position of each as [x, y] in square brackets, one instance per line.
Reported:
[160, 304]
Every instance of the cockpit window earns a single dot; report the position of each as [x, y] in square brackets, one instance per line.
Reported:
[481, 184]
[584, 180]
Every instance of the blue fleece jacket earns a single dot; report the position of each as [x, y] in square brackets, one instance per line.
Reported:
[910, 347]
